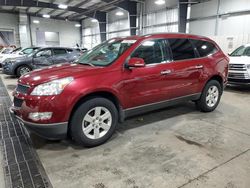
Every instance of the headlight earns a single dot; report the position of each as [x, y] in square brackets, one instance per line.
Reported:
[248, 66]
[54, 87]
[9, 61]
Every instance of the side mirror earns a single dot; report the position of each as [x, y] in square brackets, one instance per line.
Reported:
[135, 62]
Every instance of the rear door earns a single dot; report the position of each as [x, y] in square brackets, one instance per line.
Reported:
[43, 58]
[59, 55]
[183, 73]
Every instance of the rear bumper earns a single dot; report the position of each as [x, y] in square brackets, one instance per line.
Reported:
[53, 131]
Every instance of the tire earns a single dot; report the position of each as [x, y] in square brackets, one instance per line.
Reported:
[210, 97]
[85, 122]
[23, 69]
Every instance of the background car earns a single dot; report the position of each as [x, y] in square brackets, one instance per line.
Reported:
[6, 50]
[17, 53]
[39, 59]
[239, 66]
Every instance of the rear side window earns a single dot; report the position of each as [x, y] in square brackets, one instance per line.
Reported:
[151, 51]
[181, 49]
[59, 51]
[204, 48]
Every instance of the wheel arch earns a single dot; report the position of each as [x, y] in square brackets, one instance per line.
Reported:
[218, 78]
[105, 94]
[21, 66]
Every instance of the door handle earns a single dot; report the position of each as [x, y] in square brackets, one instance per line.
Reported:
[165, 72]
[199, 66]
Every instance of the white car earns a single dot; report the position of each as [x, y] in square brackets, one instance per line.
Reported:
[6, 50]
[239, 66]
[17, 53]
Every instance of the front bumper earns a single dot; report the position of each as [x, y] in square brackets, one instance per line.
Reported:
[53, 131]
[245, 82]
[8, 69]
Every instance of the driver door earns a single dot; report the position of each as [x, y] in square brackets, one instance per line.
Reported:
[147, 85]
[43, 58]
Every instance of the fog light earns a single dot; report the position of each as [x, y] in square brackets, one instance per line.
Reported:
[36, 116]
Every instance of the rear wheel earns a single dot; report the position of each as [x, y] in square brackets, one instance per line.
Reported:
[210, 96]
[24, 69]
[94, 122]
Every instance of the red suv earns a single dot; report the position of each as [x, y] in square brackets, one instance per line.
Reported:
[119, 78]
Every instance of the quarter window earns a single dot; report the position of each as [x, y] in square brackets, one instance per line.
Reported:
[181, 49]
[204, 48]
[151, 51]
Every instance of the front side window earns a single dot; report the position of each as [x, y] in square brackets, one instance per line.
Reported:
[106, 53]
[241, 51]
[151, 51]
[44, 53]
[204, 48]
[181, 49]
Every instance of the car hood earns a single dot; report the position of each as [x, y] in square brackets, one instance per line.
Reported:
[239, 60]
[19, 58]
[5, 56]
[40, 76]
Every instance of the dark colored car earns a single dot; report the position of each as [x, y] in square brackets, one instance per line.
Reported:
[39, 59]
[120, 78]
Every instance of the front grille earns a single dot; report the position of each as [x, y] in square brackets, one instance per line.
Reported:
[18, 102]
[22, 89]
[238, 75]
[237, 67]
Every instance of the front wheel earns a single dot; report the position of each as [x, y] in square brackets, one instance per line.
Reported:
[210, 96]
[24, 69]
[94, 122]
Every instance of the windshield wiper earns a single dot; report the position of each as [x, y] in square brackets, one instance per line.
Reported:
[90, 64]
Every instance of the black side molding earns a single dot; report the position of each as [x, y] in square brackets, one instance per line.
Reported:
[159, 105]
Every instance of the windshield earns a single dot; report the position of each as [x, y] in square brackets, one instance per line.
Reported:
[15, 50]
[105, 53]
[32, 53]
[241, 51]
[28, 50]
[7, 51]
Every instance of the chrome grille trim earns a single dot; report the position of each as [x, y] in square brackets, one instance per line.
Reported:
[22, 88]
[237, 75]
[239, 67]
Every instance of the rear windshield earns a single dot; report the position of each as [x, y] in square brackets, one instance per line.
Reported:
[241, 51]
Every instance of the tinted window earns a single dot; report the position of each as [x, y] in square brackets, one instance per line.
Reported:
[204, 48]
[151, 51]
[59, 51]
[69, 50]
[181, 49]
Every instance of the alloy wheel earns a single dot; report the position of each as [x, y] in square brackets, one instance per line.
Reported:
[97, 122]
[212, 96]
[24, 70]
